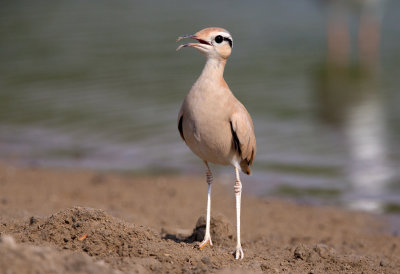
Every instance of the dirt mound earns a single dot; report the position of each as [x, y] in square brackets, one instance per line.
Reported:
[220, 229]
[89, 230]
[124, 246]
[95, 233]
[17, 258]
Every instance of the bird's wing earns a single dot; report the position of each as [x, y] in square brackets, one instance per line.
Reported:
[180, 121]
[244, 140]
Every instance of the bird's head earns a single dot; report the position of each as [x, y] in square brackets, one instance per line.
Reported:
[212, 42]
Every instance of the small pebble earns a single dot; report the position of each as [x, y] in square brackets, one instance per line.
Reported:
[264, 267]
[206, 260]
[32, 220]
[301, 252]
[8, 241]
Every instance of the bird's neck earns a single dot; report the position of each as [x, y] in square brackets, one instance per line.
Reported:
[213, 70]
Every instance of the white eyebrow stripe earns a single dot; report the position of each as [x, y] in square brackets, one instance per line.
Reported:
[226, 37]
[224, 34]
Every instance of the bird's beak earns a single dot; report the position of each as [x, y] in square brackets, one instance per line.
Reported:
[201, 45]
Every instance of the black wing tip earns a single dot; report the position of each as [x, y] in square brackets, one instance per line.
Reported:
[180, 128]
[247, 171]
[235, 139]
[244, 165]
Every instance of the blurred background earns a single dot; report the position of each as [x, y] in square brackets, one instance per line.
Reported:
[98, 84]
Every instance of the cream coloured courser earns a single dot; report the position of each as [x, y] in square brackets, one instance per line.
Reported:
[213, 123]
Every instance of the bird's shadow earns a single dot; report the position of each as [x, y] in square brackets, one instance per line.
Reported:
[177, 238]
[196, 236]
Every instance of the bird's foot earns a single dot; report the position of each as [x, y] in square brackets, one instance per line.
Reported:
[238, 253]
[207, 240]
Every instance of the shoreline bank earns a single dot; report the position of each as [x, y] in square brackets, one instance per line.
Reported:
[155, 215]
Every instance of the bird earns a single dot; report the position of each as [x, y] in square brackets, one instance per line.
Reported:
[214, 124]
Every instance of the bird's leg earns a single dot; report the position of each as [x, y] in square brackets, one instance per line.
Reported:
[207, 236]
[238, 253]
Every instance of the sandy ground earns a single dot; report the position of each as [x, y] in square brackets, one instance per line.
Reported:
[68, 221]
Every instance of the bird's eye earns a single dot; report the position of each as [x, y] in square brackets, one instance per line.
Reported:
[219, 39]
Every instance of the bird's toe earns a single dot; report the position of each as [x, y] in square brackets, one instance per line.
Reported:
[238, 253]
[205, 242]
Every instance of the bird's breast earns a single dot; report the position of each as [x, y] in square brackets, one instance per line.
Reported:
[206, 128]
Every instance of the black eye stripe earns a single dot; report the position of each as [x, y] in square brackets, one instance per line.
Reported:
[228, 40]
[219, 39]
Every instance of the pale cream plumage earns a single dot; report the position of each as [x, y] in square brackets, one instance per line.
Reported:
[213, 123]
